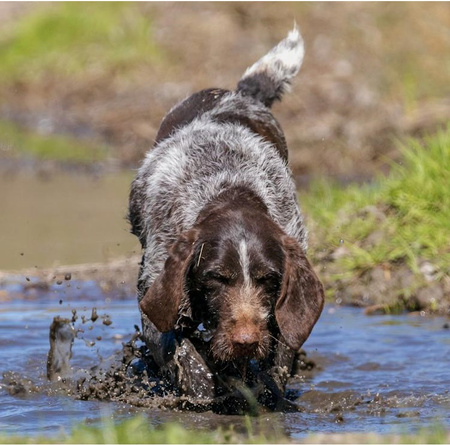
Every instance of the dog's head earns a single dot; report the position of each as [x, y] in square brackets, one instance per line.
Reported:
[244, 279]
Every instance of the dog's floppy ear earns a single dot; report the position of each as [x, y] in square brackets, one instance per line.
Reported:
[163, 297]
[301, 298]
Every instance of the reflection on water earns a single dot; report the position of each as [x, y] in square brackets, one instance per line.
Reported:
[379, 373]
[63, 219]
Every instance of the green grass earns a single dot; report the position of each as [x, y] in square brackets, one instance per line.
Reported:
[70, 38]
[16, 140]
[404, 217]
[137, 430]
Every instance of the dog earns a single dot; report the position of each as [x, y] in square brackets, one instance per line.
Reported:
[224, 271]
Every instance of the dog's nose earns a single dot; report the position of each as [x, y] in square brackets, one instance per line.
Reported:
[245, 340]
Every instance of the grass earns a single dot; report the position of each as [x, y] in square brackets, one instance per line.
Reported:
[17, 140]
[72, 38]
[138, 430]
[401, 218]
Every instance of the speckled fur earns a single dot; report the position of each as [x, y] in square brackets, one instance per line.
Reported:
[190, 169]
[216, 150]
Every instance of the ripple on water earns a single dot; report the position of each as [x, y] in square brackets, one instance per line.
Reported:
[377, 373]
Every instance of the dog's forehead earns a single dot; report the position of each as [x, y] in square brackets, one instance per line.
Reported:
[244, 252]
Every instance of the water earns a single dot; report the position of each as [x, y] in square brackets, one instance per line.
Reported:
[382, 374]
[63, 218]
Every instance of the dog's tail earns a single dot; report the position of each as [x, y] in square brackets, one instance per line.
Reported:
[271, 75]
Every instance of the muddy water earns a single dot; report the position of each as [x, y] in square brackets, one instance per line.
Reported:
[55, 218]
[379, 373]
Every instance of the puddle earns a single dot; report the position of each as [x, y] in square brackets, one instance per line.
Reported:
[380, 373]
[76, 218]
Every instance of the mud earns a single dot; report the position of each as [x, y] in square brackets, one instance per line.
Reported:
[117, 277]
[380, 373]
[391, 289]
[132, 377]
[61, 336]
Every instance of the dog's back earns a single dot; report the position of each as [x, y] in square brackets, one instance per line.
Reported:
[224, 269]
[213, 140]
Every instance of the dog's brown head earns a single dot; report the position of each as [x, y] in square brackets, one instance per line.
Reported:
[244, 279]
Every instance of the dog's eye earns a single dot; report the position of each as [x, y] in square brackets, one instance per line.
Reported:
[217, 277]
[271, 278]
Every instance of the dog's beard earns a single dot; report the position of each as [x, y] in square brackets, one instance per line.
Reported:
[223, 349]
[241, 313]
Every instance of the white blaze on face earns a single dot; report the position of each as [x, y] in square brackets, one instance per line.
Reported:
[248, 305]
[244, 261]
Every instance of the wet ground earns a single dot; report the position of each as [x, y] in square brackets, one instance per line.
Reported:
[380, 373]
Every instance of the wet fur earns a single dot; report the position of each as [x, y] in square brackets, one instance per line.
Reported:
[214, 206]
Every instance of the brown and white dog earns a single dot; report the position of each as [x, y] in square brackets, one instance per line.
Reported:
[214, 206]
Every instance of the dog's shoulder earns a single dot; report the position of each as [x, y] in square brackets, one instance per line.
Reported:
[225, 107]
[236, 108]
[186, 111]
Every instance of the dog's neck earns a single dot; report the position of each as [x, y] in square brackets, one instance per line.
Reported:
[231, 200]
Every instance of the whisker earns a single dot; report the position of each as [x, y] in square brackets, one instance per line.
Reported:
[221, 349]
[278, 340]
[262, 350]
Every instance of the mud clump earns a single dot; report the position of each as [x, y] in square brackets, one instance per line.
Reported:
[126, 380]
[132, 377]
[17, 385]
[337, 402]
[107, 321]
[94, 315]
[62, 335]
[135, 379]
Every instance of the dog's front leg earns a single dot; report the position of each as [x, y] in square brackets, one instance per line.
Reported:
[272, 384]
[194, 377]
[282, 366]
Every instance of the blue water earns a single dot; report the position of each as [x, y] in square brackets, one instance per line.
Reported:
[397, 367]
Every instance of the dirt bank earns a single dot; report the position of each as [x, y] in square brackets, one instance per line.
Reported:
[389, 289]
[118, 277]
[371, 75]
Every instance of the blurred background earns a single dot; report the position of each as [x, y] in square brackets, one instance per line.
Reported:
[84, 86]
